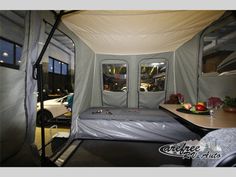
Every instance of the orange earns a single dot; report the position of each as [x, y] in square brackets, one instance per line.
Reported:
[201, 103]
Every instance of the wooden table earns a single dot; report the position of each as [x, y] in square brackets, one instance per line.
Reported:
[221, 119]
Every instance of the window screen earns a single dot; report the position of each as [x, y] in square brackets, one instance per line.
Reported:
[152, 77]
[115, 77]
[218, 45]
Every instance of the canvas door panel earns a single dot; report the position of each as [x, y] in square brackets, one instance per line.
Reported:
[114, 83]
[151, 99]
[116, 99]
[152, 82]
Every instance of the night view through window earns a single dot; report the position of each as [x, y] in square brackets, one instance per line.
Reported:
[152, 77]
[114, 77]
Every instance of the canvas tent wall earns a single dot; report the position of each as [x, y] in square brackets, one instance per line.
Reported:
[104, 31]
[98, 35]
[19, 91]
[16, 134]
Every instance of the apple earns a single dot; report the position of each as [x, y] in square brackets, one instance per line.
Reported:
[200, 107]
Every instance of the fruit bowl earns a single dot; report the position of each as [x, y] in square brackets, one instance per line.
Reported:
[183, 110]
[199, 109]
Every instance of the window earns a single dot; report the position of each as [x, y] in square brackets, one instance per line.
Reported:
[219, 46]
[10, 53]
[50, 65]
[57, 67]
[64, 69]
[18, 54]
[114, 77]
[152, 77]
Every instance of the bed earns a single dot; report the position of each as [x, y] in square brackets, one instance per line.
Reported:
[131, 124]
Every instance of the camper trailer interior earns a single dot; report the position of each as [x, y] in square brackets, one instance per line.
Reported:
[126, 88]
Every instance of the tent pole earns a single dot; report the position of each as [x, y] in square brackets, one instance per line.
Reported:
[39, 78]
[42, 123]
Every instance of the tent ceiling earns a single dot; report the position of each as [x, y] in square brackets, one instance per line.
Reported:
[138, 32]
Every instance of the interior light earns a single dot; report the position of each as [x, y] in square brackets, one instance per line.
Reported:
[5, 54]
[51, 67]
[1, 61]
[19, 61]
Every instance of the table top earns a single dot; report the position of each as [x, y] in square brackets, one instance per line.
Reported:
[221, 119]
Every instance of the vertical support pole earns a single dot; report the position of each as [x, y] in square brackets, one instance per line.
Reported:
[40, 91]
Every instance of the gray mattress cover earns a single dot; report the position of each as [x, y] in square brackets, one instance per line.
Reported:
[125, 114]
[131, 124]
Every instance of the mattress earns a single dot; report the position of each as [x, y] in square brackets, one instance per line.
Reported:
[125, 114]
[131, 124]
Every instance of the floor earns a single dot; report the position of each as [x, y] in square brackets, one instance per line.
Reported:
[49, 133]
[102, 153]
